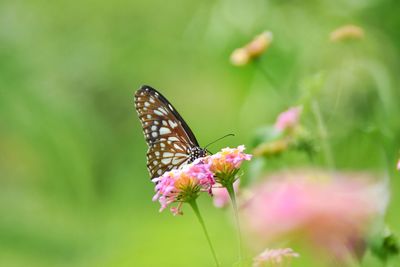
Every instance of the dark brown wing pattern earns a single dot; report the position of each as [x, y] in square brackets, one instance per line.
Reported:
[168, 137]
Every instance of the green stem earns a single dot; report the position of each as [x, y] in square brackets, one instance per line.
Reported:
[232, 195]
[323, 133]
[267, 76]
[195, 208]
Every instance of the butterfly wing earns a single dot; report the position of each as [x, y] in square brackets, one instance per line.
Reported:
[168, 137]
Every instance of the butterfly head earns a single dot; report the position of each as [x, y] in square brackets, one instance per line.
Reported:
[197, 152]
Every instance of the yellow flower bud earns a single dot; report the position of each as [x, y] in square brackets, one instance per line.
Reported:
[347, 32]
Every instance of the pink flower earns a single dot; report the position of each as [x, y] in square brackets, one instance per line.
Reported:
[288, 119]
[330, 211]
[221, 196]
[398, 165]
[274, 257]
[203, 173]
[183, 185]
[228, 160]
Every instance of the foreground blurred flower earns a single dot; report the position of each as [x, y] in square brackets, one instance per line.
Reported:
[275, 257]
[252, 50]
[221, 195]
[183, 185]
[288, 119]
[331, 212]
[347, 32]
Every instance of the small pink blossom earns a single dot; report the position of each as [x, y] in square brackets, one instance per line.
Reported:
[183, 185]
[398, 165]
[331, 211]
[221, 196]
[288, 119]
[203, 173]
[274, 257]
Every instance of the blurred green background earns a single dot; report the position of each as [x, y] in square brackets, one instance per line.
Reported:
[74, 189]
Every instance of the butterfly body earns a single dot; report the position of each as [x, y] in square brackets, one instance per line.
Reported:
[171, 143]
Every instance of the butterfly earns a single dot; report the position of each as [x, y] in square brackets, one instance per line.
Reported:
[171, 143]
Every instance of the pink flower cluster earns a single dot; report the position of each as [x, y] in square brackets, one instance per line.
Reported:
[288, 119]
[274, 257]
[227, 160]
[185, 183]
[330, 211]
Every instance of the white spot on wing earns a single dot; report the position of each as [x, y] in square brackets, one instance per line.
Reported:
[164, 130]
[176, 161]
[166, 161]
[177, 146]
[158, 113]
[167, 154]
[163, 110]
[172, 124]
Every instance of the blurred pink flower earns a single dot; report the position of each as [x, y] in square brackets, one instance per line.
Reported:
[274, 257]
[221, 196]
[288, 119]
[331, 211]
[398, 165]
[183, 185]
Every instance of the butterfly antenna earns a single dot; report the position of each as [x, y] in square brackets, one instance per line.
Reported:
[218, 140]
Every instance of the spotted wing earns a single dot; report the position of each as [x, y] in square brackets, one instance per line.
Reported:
[168, 137]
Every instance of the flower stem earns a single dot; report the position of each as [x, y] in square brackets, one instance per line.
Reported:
[195, 208]
[323, 134]
[267, 76]
[232, 195]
